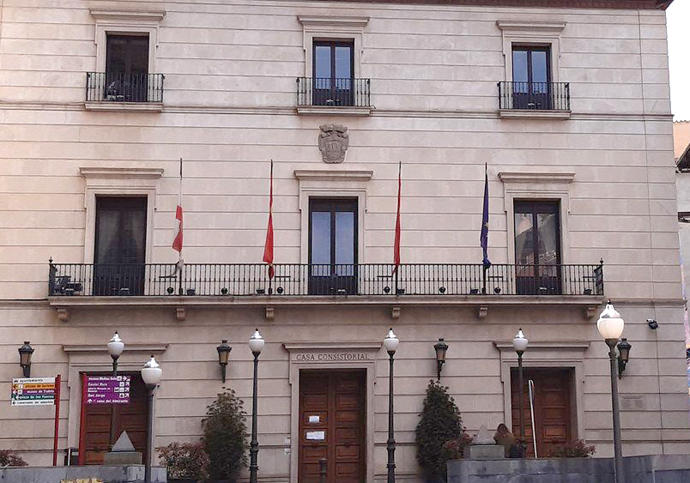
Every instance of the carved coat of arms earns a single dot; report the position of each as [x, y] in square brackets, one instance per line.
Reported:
[333, 142]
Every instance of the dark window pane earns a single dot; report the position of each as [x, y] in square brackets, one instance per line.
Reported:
[344, 241]
[127, 54]
[524, 234]
[322, 62]
[321, 240]
[520, 69]
[540, 68]
[343, 62]
[547, 226]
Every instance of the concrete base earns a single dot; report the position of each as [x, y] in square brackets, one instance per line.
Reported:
[485, 452]
[122, 458]
[111, 474]
[640, 469]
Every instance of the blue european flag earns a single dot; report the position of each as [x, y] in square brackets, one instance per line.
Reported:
[484, 237]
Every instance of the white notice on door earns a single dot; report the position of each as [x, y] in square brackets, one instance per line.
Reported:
[316, 435]
[314, 419]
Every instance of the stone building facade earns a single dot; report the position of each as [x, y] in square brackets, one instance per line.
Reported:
[565, 103]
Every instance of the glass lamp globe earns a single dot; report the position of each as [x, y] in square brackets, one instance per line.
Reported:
[391, 342]
[520, 341]
[151, 373]
[116, 346]
[256, 342]
[610, 323]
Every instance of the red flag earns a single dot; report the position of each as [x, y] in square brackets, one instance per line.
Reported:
[177, 242]
[268, 247]
[396, 247]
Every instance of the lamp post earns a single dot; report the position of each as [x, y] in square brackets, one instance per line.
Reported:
[151, 374]
[115, 348]
[391, 344]
[25, 353]
[520, 345]
[610, 326]
[256, 344]
[223, 356]
[440, 347]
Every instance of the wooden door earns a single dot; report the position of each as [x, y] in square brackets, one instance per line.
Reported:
[103, 423]
[553, 418]
[332, 426]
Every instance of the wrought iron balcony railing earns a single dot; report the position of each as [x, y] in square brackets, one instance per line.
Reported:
[541, 96]
[160, 279]
[124, 87]
[326, 91]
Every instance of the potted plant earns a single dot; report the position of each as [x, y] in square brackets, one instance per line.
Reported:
[572, 449]
[185, 462]
[9, 458]
[225, 437]
[440, 422]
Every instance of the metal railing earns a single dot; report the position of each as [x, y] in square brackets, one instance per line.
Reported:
[326, 91]
[543, 96]
[218, 279]
[124, 87]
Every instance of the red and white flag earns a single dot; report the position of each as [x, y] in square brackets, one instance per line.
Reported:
[177, 242]
[396, 246]
[268, 247]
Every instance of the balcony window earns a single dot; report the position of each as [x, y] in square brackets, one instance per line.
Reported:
[332, 246]
[126, 77]
[333, 83]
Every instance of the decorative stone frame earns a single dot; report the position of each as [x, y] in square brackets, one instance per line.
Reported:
[556, 355]
[126, 22]
[92, 358]
[536, 186]
[332, 184]
[142, 182]
[132, 22]
[537, 34]
[368, 350]
[332, 28]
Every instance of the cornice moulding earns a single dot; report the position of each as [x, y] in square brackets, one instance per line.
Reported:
[326, 346]
[530, 27]
[517, 177]
[135, 15]
[340, 175]
[149, 348]
[312, 21]
[132, 173]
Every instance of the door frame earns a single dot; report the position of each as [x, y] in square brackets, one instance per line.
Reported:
[548, 355]
[310, 355]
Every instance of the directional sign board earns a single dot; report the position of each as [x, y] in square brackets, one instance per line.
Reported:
[107, 389]
[33, 391]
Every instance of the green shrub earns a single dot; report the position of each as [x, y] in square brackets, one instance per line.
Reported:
[440, 422]
[184, 461]
[572, 449]
[9, 458]
[225, 436]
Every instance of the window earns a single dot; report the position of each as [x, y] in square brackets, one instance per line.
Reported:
[537, 247]
[332, 246]
[531, 77]
[333, 73]
[126, 68]
[120, 246]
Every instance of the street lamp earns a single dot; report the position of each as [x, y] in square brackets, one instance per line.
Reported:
[391, 344]
[440, 347]
[623, 355]
[256, 344]
[115, 348]
[223, 356]
[610, 326]
[25, 353]
[151, 374]
[520, 345]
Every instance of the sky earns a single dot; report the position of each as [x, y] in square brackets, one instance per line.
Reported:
[678, 24]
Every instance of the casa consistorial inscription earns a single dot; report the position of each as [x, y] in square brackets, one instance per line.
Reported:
[331, 356]
[333, 142]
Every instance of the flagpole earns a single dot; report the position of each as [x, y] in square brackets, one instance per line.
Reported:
[484, 236]
[396, 248]
[179, 253]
